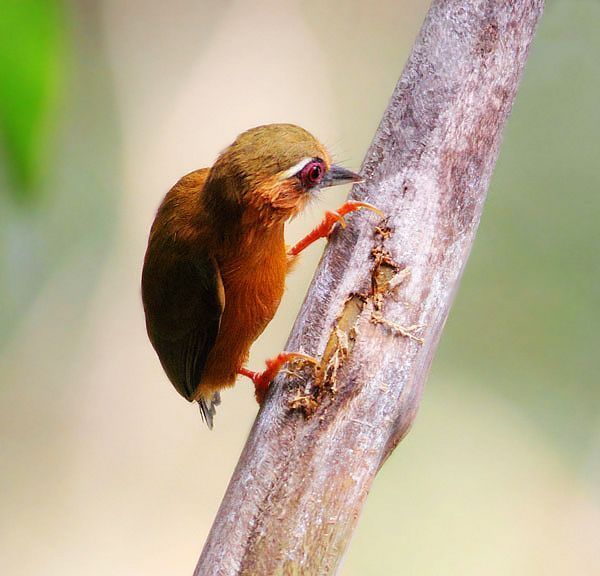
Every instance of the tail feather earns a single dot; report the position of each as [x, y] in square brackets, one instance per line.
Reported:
[208, 408]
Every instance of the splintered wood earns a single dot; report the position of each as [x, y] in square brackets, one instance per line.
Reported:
[386, 276]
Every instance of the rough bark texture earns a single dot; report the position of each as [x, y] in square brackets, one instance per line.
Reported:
[317, 444]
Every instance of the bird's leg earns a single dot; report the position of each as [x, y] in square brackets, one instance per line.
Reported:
[324, 229]
[273, 365]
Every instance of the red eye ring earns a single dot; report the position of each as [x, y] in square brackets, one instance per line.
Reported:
[312, 174]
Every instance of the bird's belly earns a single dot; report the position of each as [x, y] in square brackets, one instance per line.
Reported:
[251, 305]
[251, 300]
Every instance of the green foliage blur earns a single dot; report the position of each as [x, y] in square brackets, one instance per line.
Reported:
[32, 54]
[59, 156]
[103, 468]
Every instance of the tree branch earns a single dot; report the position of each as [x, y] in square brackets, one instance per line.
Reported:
[379, 300]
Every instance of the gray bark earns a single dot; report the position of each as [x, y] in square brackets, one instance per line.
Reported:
[377, 305]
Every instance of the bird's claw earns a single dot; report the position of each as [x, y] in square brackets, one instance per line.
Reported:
[337, 217]
[331, 219]
[353, 205]
[326, 227]
[263, 379]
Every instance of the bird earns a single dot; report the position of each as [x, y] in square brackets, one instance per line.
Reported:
[216, 261]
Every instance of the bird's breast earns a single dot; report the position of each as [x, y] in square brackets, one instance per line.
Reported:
[254, 282]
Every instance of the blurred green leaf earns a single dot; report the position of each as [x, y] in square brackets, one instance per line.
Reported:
[31, 70]
[73, 219]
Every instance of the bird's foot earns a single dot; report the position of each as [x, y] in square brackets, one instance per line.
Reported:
[325, 228]
[273, 366]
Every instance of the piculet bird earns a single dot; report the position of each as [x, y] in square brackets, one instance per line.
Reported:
[216, 261]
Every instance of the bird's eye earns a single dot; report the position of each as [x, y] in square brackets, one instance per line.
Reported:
[312, 174]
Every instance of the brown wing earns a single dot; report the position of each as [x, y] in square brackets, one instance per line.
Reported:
[183, 301]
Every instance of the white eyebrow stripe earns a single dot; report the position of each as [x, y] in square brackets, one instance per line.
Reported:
[294, 169]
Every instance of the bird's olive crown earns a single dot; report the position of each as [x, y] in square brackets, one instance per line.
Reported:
[267, 172]
[262, 153]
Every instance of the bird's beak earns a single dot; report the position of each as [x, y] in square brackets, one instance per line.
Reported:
[338, 175]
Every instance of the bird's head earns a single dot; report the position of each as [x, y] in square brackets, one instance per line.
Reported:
[272, 171]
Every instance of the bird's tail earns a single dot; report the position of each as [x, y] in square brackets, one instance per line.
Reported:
[208, 408]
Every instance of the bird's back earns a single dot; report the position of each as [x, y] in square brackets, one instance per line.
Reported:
[181, 288]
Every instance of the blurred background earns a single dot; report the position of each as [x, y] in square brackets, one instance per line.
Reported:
[104, 469]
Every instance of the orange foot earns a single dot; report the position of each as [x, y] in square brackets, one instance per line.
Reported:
[325, 228]
[263, 379]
